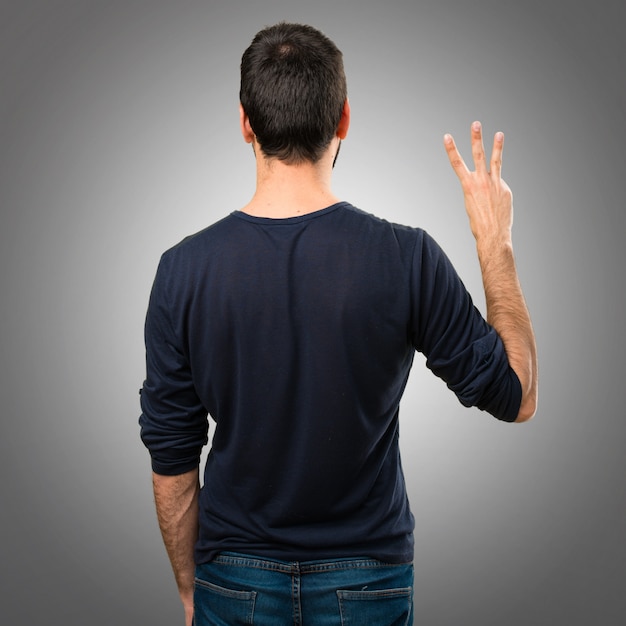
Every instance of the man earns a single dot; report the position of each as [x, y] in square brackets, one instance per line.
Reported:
[293, 323]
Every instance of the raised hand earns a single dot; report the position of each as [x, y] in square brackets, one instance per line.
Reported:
[488, 199]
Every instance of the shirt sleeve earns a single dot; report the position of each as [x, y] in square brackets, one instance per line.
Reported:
[460, 346]
[173, 421]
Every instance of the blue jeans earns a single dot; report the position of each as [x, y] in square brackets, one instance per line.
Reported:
[240, 589]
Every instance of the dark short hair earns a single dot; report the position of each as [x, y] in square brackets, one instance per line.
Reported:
[293, 89]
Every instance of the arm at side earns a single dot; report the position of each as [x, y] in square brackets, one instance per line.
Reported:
[176, 499]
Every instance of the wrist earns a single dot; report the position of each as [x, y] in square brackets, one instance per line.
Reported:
[494, 240]
[186, 597]
[489, 246]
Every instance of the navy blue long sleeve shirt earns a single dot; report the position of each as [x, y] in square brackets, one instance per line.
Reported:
[297, 337]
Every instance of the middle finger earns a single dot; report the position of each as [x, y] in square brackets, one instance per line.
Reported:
[478, 149]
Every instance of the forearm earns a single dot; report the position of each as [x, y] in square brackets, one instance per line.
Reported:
[508, 314]
[176, 499]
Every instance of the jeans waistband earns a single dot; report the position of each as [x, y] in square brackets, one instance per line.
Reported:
[301, 567]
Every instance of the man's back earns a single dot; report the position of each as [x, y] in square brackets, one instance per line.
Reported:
[297, 335]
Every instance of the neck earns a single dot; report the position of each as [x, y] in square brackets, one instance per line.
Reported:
[290, 190]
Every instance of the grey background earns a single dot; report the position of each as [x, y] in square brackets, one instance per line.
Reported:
[119, 135]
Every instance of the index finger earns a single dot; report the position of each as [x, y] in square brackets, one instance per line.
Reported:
[456, 160]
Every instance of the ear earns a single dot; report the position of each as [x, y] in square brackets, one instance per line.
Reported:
[244, 122]
[344, 122]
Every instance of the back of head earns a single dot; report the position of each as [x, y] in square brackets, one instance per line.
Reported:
[293, 89]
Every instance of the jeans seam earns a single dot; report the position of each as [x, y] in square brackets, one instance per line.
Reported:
[295, 599]
[398, 592]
